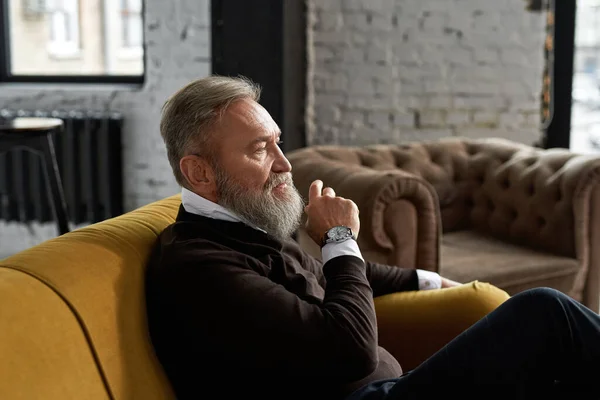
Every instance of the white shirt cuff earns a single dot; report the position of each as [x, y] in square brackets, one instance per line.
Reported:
[429, 280]
[346, 248]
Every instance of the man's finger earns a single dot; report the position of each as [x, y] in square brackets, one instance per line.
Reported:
[329, 192]
[315, 189]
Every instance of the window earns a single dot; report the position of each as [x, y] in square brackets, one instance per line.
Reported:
[72, 41]
[63, 18]
[585, 107]
[131, 28]
[131, 20]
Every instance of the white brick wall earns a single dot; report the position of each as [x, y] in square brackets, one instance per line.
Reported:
[177, 51]
[395, 70]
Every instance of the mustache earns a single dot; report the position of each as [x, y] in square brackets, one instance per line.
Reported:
[277, 179]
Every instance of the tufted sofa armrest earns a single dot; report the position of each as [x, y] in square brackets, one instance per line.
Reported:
[398, 211]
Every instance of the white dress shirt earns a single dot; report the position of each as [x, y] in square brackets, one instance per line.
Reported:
[198, 205]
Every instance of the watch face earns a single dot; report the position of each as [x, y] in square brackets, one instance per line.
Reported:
[338, 232]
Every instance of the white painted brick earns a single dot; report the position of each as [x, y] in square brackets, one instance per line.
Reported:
[440, 101]
[410, 87]
[381, 22]
[433, 21]
[486, 55]
[327, 98]
[353, 55]
[487, 102]
[352, 117]
[485, 119]
[432, 118]
[476, 88]
[383, 89]
[437, 86]
[370, 5]
[520, 102]
[328, 115]
[378, 54]
[404, 119]
[323, 53]
[327, 135]
[418, 135]
[515, 56]
[338, 38]
[329, 21]
[460, 59]
[367, 135]
[410, 101]
[525, 136]
[361, 86]
[516, 88]
[336, 83]
[512, 120]
[532, 119]
[328, 5]
[368, 102]
[356, 21]
[457, 118]
[380, 119]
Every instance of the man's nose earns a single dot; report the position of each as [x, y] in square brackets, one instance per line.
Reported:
[281, 163]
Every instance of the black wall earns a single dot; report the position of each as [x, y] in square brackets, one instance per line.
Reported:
[265, 40]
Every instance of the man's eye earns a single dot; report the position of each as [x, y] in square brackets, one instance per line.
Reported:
[279, 143]
[260, 149]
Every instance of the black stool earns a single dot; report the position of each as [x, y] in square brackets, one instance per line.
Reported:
[35, 134]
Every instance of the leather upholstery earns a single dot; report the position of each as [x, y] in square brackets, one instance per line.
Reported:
[535, 198]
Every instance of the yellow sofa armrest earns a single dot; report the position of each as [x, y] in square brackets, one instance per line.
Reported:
[414, 325]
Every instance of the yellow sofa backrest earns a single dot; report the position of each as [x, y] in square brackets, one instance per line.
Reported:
[72, 313]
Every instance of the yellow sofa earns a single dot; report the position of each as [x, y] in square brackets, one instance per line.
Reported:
[73, 321]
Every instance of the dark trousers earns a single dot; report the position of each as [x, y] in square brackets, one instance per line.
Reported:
[538, 344]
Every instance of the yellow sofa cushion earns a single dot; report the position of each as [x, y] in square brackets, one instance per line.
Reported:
[414, 325]
[44, 351]
[98, 272]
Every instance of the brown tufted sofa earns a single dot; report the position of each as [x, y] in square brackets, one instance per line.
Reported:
[471, 209]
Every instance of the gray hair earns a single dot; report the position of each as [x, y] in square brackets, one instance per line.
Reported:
[190, 113]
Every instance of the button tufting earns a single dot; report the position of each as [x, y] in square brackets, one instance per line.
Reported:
[541, 221]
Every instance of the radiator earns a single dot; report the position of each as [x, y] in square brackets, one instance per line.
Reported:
[90, 163]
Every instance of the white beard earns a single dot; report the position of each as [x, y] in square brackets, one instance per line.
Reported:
[278, 216]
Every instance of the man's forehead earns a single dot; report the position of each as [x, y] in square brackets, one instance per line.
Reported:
[254, 115]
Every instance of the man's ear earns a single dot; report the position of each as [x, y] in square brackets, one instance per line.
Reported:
[199, 175]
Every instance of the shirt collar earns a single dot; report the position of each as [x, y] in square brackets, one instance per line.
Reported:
[198, 205]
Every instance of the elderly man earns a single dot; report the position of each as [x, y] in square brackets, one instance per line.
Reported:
[236, 308]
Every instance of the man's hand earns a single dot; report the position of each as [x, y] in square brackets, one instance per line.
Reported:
[325, 210]
[447, 283]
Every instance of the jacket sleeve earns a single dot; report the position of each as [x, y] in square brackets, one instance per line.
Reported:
[383, 279]
[386, 279]
[248, 314]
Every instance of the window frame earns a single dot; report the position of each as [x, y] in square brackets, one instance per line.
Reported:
[6, 75]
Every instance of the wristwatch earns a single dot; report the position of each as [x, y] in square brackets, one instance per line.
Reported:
[337, 234]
